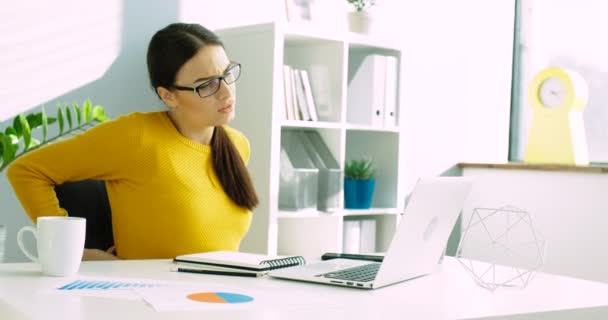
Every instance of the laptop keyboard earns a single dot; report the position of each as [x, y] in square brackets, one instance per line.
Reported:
[366, 272]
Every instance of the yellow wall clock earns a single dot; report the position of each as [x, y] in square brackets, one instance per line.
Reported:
[557, 134]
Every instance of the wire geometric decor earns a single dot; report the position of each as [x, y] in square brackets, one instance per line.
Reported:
[501, 248]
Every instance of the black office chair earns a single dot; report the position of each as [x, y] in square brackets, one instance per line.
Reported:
[89, 199]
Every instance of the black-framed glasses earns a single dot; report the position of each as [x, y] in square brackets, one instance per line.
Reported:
[211, 86]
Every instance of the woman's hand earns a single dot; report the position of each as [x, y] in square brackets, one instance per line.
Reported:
[96, 254]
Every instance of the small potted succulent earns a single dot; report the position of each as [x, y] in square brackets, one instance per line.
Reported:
[359, 183]
[360, 20]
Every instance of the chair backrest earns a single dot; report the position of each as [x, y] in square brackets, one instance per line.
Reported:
[89, 199]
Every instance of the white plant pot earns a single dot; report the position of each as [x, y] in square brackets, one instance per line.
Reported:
[360, 21]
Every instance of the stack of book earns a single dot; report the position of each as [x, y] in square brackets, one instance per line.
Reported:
[299, 99]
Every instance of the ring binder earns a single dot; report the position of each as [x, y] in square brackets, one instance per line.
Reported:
[284, 262]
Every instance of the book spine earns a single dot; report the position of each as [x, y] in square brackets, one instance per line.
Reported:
[289, 104]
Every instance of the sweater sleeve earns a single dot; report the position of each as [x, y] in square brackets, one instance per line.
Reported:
[104, 152]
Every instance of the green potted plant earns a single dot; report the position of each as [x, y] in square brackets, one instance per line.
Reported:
[360, 20]
[18, 139]
[359, 183]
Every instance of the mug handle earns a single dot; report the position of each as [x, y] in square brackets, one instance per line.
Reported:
[22, 246]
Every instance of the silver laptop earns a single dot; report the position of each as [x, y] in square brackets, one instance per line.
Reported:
[416, 248]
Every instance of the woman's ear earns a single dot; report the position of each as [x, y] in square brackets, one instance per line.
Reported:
[167, 96]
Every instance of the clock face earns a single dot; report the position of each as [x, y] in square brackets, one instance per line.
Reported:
[552, 92]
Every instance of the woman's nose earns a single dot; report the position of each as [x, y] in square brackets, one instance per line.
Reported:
[224, 90]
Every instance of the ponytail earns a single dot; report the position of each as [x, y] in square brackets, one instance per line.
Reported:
[231, 171]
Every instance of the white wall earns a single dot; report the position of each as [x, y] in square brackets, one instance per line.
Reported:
[489, 64]
[35, 55]
[457, 82]
[441, 47]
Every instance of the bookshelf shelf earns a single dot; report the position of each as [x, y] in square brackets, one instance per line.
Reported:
[356, 127]
[311, 124]
[301, 214]
[371, 211]
[266, 118]
[341, 213]
[310, 33]
[307, 34]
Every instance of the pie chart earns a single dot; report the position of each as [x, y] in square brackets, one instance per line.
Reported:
[219, 297]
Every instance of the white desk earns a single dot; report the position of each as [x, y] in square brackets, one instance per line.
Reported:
[448, 294]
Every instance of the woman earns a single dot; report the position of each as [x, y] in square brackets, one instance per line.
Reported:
[176, 180]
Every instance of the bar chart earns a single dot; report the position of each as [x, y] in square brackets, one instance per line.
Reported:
[105, 285]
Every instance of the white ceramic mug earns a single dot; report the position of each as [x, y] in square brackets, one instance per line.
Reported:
[60, 242]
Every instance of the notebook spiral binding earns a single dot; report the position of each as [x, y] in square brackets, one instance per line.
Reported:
[284, 262]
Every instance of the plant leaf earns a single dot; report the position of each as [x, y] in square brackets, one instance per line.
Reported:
[13, 144]
[10, 146]
[34, 143]
[60, 119]
[359, 169]
[6, 157]
[1, 145]
[17, 128]
[34, 120]
[26, 131]
[45, 124]
[10, 130]
[86, 110]
[68, 114]
[77, 113]
[99, 114]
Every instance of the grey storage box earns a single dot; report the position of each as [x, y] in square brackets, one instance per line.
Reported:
[299, 178]
[330, 175]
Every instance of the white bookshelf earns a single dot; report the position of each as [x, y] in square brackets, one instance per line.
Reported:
[357, 127]
[308, 213]
[260, 113]
[311, 124]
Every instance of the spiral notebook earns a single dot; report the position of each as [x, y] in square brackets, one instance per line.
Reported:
[237, 261]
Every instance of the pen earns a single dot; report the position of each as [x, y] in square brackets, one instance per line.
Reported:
[221, 273]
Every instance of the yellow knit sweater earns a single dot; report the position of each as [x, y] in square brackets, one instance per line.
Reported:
[165, 197]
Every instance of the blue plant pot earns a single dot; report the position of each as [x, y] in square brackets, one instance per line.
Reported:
[358, 194]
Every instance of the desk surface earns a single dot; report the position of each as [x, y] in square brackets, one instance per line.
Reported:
[448, 294]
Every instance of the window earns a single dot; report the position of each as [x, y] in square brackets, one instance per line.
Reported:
[568, 34]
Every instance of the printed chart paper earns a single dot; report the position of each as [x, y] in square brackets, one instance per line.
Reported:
[119, 288]
[195, 298]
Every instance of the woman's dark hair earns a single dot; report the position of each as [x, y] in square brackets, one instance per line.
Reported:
[169, 49]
